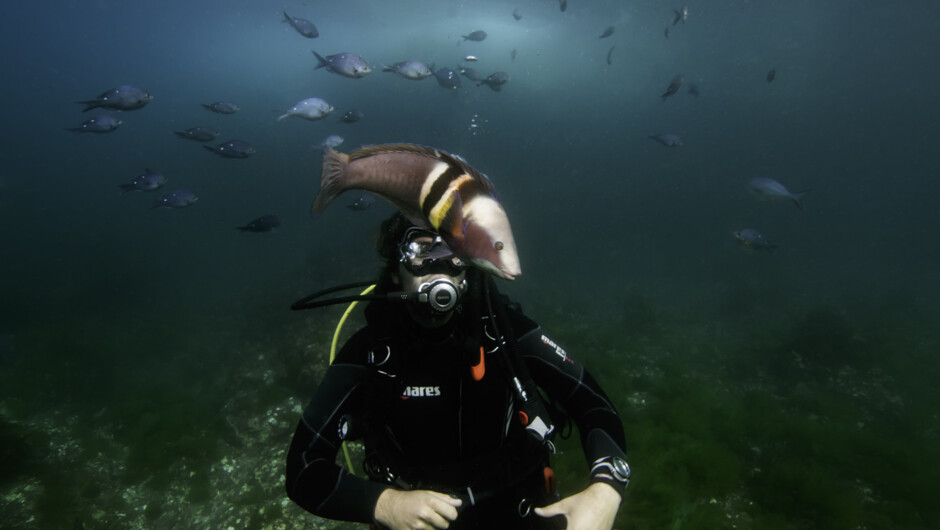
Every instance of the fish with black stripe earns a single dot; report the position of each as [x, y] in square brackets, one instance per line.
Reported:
[434, 190]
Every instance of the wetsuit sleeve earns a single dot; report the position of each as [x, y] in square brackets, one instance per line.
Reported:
[313, 479]
[567, 383]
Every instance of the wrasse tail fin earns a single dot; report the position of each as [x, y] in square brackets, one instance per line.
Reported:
[331, 177]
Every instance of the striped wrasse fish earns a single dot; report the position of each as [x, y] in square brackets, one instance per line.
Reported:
[434, 190]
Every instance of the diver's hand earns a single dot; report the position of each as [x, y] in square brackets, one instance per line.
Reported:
[417, 509]
[592, 509]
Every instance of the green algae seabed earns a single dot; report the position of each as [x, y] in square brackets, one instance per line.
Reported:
[742, 411]
[821, 417]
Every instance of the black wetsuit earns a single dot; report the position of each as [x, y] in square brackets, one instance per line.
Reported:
[428, 423]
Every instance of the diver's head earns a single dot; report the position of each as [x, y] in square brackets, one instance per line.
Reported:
[420, 262]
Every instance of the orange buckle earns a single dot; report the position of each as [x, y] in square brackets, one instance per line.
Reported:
[477, 370]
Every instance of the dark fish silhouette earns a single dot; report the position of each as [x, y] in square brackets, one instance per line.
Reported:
[233, 149]
[674, 86]
[681, 14]
[693, 89]
[351, 116]
[496, 80]
[303, 26]
[265, 223]
[771, 75]
[666, 32]
[222, 107]
[669, 140]
[470, 74]
[199, 134]
[475, 36]
[610, 53]
[176, 199]
[98, 124]
[146, 181]
[364, 202]
[563, 5]
[517, 14]
[607, 32]
[447, 78]
[124, 97]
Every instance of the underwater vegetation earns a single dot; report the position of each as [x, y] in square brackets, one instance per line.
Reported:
[821, 417]
[734, 421]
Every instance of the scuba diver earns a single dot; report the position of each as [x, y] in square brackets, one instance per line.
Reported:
[444, 386]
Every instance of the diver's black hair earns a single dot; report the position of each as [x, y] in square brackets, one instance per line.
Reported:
[390, 235]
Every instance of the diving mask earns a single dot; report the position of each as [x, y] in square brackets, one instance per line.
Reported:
[424, 252]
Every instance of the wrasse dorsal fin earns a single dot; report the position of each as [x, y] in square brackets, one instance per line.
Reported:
[430, 152]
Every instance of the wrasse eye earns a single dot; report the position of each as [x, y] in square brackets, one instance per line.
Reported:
[499, 245]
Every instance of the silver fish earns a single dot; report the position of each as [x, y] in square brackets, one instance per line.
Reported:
[436, 191]
[750, 238]
[415, 70]
[222, 107]
[309, 109]
[344, 64]
[330, 142]
[669, 140]
[471, 58]
[99, 124]
[770, 190]
[124, 97]
[303, 26]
